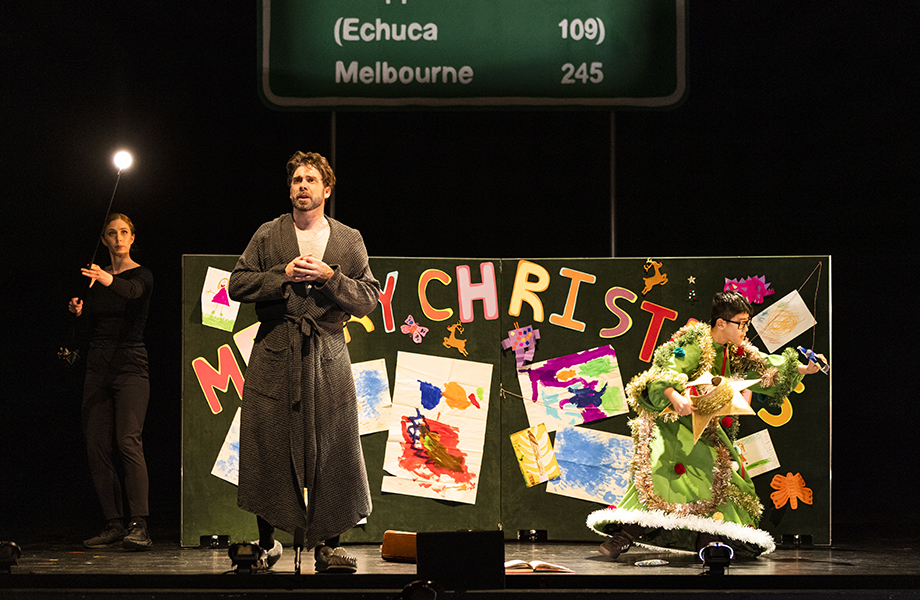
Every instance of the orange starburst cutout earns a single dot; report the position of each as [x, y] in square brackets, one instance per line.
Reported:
[790, 488]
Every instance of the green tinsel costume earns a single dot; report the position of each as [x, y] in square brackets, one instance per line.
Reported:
[679, 488]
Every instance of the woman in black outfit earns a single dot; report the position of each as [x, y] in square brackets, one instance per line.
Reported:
[117, 389]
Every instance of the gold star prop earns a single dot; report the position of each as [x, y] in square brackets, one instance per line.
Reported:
[721, 397]
[691, 279]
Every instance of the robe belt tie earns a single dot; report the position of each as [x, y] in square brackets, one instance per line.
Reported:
[306, 323]
[307, 326]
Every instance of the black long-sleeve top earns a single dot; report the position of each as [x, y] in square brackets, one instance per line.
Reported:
[115, 315]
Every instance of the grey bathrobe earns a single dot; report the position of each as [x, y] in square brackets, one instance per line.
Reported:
[299, 420]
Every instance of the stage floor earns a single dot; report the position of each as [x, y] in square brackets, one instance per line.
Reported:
[582, 558]
[878, 568]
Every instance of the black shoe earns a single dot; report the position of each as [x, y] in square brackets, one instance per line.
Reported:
[110, 537]
[137, 538]
[334, 560]
[618, 543]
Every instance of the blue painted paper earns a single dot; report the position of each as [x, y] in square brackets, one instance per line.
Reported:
[594, 465]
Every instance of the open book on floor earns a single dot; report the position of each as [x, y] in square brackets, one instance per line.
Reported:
[534, 566]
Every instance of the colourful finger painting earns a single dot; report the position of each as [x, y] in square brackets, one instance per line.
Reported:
[573, 389]
[437, 427]
[373, 390]
[594, 465]
[534, 452]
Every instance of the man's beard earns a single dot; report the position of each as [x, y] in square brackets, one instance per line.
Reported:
[305, 204]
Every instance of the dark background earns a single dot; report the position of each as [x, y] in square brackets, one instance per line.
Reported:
[798, 135]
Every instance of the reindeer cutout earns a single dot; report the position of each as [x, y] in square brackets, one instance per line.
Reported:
[452, 341]
[657, 279]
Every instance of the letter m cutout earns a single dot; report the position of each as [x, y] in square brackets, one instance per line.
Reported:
[227, 370]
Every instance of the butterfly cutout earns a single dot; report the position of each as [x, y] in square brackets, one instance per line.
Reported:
[414, 329]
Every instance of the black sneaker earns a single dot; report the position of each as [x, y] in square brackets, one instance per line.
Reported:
[618, 543]
[137, 538]
[110, 537]
[334, 560]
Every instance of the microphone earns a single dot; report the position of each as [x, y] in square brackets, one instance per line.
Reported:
[810, 355]
[298, 548]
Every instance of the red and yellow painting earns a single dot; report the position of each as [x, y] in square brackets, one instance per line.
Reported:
[437, 427]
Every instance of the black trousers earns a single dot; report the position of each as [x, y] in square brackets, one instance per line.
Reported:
[115, 397]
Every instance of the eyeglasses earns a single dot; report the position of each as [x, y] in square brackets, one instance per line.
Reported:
[744, 325]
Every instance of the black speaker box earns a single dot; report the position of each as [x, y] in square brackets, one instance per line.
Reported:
[462, 560]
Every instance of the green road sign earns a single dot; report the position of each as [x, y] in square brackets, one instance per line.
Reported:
[602, 53]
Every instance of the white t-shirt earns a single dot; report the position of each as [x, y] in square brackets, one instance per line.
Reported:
[313, 243]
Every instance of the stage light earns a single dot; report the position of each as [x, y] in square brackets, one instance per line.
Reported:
[214, 542]
[244, 556]
[123, 160]
[796, 541]
[9, 554]
[716, 556]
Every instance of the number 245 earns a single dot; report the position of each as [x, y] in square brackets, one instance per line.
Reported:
[571, 73]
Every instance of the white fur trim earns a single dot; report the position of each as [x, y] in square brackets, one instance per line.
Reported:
[656, 519]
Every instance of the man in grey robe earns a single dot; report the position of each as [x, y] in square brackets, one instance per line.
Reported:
[301, 464]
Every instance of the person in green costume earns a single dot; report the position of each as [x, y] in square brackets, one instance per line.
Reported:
[685, 494]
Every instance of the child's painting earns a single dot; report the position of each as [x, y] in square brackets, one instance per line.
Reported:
[783, 321]
[373, 395]
[574, 389]
[594, 465]
[437, 427]
[757, 453]
[227, 465]
[535, 456]
[217, 309]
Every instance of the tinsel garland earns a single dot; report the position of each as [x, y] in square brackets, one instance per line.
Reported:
[721, 490]
[713, 426]
[693, 334]
[732, 430]
[636, 387]
[720, 396]
[787, 378]
[748, 502]
[745, 358]
[741, 359]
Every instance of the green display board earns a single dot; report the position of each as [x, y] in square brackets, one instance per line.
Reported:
[629, 304]
[472, 52]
